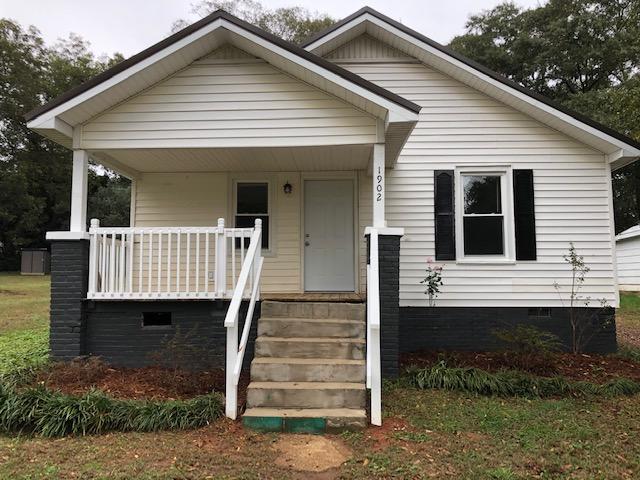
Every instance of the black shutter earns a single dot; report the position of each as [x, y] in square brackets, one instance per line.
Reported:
[444, 215]
[524, 214]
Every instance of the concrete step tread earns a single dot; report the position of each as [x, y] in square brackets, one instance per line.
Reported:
[263, 338]
[339, 321]
[308, 361]
[305, 412]
[308, 385]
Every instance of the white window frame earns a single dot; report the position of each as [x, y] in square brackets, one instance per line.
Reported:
[270, 207]
[506, 193]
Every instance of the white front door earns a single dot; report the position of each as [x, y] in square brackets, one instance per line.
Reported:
[328, 236]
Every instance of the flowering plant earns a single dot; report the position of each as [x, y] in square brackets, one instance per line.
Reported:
[433, 281]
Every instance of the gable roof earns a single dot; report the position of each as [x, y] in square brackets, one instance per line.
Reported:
[629, 233]
[50, 117]
[338, 34]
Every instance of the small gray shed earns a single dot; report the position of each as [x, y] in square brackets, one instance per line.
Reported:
[35, 261]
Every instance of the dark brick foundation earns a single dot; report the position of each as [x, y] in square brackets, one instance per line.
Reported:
[115, 331]
[471, 329]
[69, 277]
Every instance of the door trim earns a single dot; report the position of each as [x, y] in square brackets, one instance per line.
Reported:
[345, 175]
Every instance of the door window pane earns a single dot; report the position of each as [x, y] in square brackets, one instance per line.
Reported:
[482, 194]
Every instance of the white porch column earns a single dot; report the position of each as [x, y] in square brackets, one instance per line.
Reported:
[78, 221]
[378, 185]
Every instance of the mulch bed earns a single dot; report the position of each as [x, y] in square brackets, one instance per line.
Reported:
[79, 376]
[592, 368]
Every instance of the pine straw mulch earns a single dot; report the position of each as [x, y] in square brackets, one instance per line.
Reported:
[153, 382]
[587, 367]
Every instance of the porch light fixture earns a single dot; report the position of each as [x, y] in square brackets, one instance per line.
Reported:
[287, 188]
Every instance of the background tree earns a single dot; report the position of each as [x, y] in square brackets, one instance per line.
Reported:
[583, 54]
[291, 23]
[35, 173]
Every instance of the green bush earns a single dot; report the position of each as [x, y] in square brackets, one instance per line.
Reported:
[53, 414]
[508, 383]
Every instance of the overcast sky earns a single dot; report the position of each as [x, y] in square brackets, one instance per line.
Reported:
[128, 26]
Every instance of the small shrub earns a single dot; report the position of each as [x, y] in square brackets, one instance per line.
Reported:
[433, 281]
[528, 348]
[53, 414]
[509, 383]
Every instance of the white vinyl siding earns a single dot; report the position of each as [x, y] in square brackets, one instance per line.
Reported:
[628, 257]
[199, 199]
[460, 126]
[232, 102]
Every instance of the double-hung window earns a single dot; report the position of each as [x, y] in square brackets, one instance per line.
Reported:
[251, 203]
[484, 216]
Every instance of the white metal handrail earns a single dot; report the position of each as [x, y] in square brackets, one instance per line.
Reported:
[165, 262]
[374, 374]
[250, 272]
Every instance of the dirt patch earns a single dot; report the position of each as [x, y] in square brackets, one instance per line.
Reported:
[592, 368]
[4, 291]
[310, 453]
[384, 435]
[79, 376]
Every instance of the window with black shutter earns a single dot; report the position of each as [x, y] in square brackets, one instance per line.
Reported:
[444, 215]
[524, 215]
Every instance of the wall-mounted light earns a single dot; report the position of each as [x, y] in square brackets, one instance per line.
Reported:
[287, 188]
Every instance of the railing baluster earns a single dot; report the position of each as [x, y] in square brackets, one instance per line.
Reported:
[197, 263]
[131, 238]
[206, 263]
[103, 282]
[140, 273]
[233, 256]
[150, 262]
[178, 261]
[170, 235]
[159, 286]
[123, 251]
[188, 279]
[112, 264]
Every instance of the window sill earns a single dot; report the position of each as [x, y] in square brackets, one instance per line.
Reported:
[485, 261]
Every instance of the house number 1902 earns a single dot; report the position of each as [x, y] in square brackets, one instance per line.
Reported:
[379, 187]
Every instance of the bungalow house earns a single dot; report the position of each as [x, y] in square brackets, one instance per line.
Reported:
[295, 194]
[628, 259]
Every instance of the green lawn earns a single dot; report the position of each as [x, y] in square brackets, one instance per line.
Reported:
[426, 434]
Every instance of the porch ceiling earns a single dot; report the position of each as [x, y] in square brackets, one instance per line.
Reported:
[314, 158]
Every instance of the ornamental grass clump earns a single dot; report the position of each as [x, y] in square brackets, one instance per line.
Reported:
[53, 414]
[511, 383]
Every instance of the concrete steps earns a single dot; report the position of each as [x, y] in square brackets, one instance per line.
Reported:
[275, 369]
[308, 373]
[311, 327]
[305, 420]
[311, 347]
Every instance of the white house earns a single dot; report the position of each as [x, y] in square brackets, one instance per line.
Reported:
[628, 259]
[370, 133]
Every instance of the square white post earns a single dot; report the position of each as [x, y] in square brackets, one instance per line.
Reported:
[78, 222]
[378, 174]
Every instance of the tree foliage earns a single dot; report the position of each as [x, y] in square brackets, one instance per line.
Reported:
[583, 54]
[291, 23]
[35, 173]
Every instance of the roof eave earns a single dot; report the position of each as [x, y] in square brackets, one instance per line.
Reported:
[617, 141]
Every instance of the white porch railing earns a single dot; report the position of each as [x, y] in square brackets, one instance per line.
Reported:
[374, 375]
[250, 272]
[166, 262]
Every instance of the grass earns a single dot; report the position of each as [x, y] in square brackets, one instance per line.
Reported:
[24, 302]
[426, 434]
